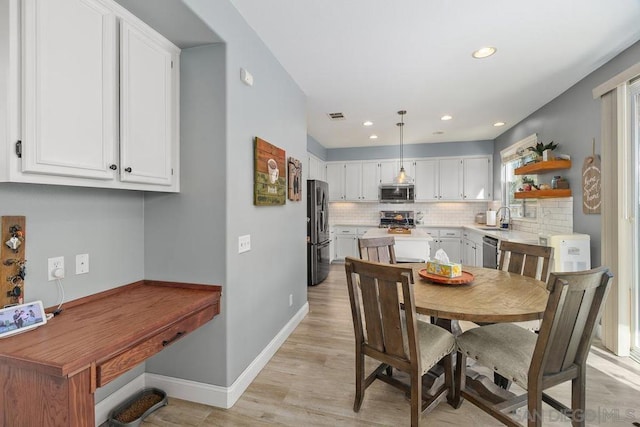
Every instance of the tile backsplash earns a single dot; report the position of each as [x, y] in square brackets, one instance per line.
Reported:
[437, 214]
[554, 216]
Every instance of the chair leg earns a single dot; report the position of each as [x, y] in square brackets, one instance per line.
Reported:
[416, 399]
[460, 379]
[578, 399]
[359, 381]
[449, 379]
[534, 406]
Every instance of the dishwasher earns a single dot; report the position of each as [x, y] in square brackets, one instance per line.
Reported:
[489, 252]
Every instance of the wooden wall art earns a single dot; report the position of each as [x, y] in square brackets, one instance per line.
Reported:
[591, 197]
[12, 261]
[295, 179]
[270, 174]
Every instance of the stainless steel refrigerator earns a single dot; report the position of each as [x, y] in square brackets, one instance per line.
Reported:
[318, 241]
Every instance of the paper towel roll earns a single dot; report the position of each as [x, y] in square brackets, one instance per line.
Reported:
[491, 218]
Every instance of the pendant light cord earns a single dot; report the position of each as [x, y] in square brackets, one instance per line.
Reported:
[401, 124]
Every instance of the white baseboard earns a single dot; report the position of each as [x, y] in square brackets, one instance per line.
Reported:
[208, 394]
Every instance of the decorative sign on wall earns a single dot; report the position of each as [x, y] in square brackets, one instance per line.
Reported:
[295, 179]
[591, 199]
[269, 173]
[12, 262]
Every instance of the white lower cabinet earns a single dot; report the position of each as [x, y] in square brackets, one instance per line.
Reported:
[449, 240]
[472, 248]
[346, 242]
[98, 109]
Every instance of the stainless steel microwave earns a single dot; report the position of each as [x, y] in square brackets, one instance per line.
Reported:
[397, 193]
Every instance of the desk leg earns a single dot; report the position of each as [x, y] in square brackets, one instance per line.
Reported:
[35, 399]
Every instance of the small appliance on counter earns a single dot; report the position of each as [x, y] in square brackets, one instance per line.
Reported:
[481, 218]
[397, 219]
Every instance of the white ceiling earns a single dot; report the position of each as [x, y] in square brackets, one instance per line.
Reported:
[370, 58]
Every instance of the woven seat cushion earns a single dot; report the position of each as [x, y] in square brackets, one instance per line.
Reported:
[435, 343]
[503, 347]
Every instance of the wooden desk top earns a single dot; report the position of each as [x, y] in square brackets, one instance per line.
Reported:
[98, 327]
[493, 296]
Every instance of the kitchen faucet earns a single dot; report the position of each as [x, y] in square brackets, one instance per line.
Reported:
[502, 218]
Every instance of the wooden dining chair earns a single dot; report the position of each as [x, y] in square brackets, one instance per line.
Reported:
[394, 336]
[539, 361]
[525, 259]
[378, 249]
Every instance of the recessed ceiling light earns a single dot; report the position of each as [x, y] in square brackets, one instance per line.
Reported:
[373, 137]
[484, 52]
[498, 124]
[367, 123]
[438, 132]
[446, 117]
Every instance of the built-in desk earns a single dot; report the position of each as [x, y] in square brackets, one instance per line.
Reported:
[48, 376]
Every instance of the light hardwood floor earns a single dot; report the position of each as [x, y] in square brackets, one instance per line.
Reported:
[310, 382]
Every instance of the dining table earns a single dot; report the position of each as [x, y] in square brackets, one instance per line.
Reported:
[483, 295]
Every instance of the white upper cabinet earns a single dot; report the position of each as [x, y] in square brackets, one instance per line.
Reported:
[97, 95]
[426, 179]
[388, 171]
[450, 176]
[316, 168]
[369, 189]
[147, 96]
[69, 81]
[353, 181]
[478, 172]
[335, 179]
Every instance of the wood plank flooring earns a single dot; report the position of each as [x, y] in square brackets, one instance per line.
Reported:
[310, 382]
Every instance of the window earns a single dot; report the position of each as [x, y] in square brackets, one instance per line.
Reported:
[634, 120]
[513, 157]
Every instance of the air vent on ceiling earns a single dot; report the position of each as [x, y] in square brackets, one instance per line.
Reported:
[336, 116]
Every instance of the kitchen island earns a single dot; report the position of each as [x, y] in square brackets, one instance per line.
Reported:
[415, 245]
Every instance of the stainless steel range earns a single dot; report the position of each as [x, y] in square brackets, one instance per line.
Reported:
[397, 219]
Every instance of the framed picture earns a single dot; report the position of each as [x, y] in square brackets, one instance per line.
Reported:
[295, 179]
[269, 174]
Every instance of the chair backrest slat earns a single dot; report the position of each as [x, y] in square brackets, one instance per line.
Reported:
[574, 307]
[378, 249]
[382, 288]
[524, 259]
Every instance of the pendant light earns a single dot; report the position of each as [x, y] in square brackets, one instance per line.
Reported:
[402, 177]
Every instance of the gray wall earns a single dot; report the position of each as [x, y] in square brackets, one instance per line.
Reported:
[184, 233]
[315, 148]
[468, 148]
[256, 284]
[571, 120]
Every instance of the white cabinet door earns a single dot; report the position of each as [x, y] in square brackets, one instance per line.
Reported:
[69, 88]
[312, 168]
[468, 253]
[353, 181]
[452, 247]
[477, 180]
[388, 171]
[450, 177]
[146, 108]
[346, 246]
[426, 179]
[369, 181]
[335, 179]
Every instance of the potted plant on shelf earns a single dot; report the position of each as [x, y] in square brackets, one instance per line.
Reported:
[544, 151]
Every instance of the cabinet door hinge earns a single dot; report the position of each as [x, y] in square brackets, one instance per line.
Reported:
[171, 171]
[19, 149]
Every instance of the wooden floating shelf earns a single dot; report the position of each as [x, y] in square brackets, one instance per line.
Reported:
[541, 167]
[543, 194]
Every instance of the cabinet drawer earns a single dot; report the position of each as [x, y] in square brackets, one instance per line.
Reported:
[346, 230]
[114, 367]
[450, 232]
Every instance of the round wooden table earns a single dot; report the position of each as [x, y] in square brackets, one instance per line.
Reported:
[493, 296]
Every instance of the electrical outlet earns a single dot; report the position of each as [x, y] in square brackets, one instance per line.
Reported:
[82, 264]
[55, 265]
[244, 243]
